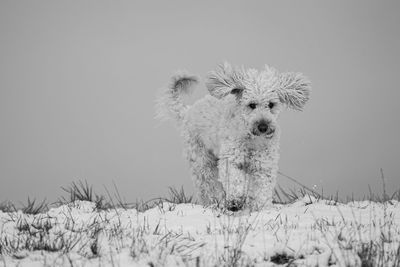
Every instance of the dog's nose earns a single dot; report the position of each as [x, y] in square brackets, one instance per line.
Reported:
[262, 127]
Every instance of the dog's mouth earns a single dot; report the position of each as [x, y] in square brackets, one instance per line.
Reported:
[269, 133]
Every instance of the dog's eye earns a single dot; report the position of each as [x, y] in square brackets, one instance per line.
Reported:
[252, 105]
[271, 105]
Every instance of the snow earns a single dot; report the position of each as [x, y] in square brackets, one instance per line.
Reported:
[308, 232]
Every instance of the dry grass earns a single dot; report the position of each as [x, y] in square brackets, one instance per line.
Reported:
[161, 245]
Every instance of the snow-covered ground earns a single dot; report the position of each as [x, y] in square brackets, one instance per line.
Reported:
[305, 233]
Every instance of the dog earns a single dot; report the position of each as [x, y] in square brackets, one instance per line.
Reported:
[231, 136]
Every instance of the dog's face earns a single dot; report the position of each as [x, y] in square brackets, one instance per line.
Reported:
[258, 103]
[259, 95]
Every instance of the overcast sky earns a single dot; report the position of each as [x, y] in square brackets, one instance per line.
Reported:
[78, 81]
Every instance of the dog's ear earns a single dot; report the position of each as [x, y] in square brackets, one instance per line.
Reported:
[224, 80]
[294, 89]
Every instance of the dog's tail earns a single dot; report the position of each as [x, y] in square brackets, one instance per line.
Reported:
[169, 101]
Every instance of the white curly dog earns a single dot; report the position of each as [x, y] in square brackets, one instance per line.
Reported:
[231, 137]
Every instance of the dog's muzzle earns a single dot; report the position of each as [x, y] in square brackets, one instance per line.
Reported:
[265, 129]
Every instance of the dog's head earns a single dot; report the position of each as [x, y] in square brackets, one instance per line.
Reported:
[258, 96]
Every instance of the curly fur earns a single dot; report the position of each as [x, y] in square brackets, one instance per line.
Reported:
[169, 103]
[231, 136]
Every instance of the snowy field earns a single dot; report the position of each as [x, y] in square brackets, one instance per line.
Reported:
[308, 232]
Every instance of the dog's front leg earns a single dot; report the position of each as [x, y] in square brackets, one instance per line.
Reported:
[232, 174]
[263, 180]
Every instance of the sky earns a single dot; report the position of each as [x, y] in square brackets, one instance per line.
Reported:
[78, 81]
